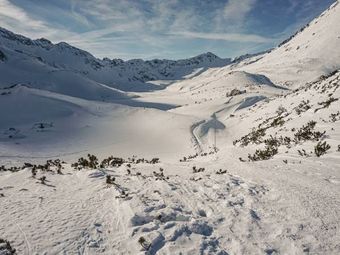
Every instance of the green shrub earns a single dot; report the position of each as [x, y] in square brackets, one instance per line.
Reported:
[254, 137]
[307, 133]
[326, 104]
[321, 148]
[265, 154]
[6, 248]
[90, 163]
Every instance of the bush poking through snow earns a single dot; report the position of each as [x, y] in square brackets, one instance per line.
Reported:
[6, 248]
[265, 154]
[220, 171]
[235, 92]
[334, 117]
[110, 179]
[185, 159]
[197, 170]
[307, 133]
[255, 137]
[272, 142]
[321, 148]
[160, 175]
[43, 179]
[279, 121]
[241, 159]
[11, 169]
[112, 162]
[281, 110]
[34, 172]
[302, 107]
[56, 165]
[146, 245]
[327, 103]
[90, 163]
[154, 161]
[303, 153]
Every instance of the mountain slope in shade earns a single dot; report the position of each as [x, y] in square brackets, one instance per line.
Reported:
[38, 123]
[310, 53]
[130, 75]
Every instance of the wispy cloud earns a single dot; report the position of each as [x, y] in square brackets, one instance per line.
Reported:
[159, 28]
[236, 10]
[232, 37]
[16, 18]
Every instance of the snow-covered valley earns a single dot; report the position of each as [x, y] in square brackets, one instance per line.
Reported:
[210, 155]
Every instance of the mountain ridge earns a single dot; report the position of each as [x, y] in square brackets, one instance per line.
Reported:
[130, 75]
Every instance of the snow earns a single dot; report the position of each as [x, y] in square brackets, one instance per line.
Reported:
[128, 76]
[309, 54]
[204, 196]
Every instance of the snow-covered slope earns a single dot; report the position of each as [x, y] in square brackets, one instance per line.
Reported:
[310, 53]
[246, 166]
[129, 75]
[39, 124]
[212, 203]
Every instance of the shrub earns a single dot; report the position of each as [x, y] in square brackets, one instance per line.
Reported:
[160, 175]
[144, 243]
[272, 142]
[326, 104]
[307, 133]
[303, 153]
[281, 110]
[154, 161]
[43, 179]
[110, 179]
[255, 137]
[6, 248]
[334, 117]
[112, 162]
[321, 148]
[220, 171]
[265, 154]
[279, 121]
[34, 172]
[197, 170]
[91, 162]
[302, 107]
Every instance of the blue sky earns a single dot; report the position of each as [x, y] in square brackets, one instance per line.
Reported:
[170, 29]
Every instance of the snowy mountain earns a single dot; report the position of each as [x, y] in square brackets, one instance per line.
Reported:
[130, 75]
[313, 51]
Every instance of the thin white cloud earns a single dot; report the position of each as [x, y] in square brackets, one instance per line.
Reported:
[18, 20]
[236, 10]
[232, 37]
[122, 27]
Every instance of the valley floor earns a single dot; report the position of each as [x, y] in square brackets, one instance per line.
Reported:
[289, 204]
